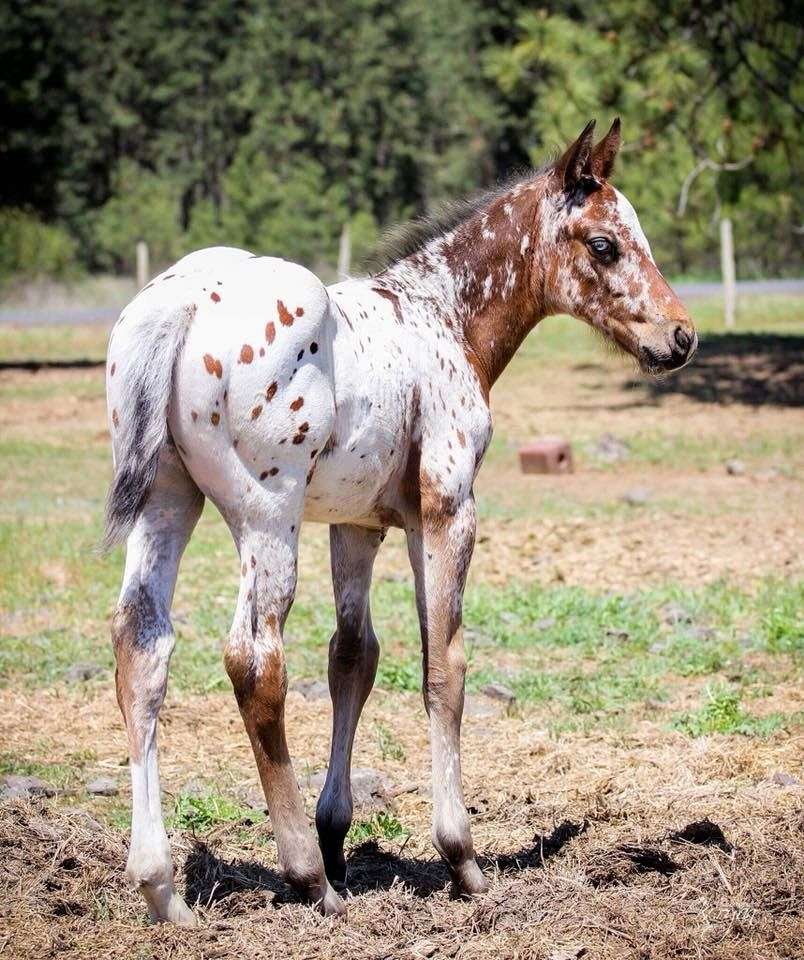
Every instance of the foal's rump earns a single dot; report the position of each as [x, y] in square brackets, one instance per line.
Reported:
[228, 355]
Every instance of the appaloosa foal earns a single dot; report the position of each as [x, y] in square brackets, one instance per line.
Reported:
[363, 405]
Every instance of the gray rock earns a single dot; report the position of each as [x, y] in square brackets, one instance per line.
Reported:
[610, 449]
[81, 672]
[782, 779]
[546, 623]
[735, 468]
[81, 817]
[674, 613]
[370, 789]
[311, 689]
[479, 708]
[636, 496]
[103, 787]
[14, 785]
[499, 691]
[194, 788]
[395, 577]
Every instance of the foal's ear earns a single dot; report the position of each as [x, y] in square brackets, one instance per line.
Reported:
[605, 153]
[574, 164]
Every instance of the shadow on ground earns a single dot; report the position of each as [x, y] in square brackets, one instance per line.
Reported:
[210, 879]
[750, 368]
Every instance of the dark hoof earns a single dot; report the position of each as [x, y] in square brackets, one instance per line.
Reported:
[330, 904]
[469, 880]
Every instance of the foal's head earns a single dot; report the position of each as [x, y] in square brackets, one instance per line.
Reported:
[597, 264]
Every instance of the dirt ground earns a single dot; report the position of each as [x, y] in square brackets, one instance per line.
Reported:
[576, 833]
[639, 842]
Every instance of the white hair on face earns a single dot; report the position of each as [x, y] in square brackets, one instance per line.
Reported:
[630, 219]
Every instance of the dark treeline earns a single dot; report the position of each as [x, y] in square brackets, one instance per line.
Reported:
[271, 125]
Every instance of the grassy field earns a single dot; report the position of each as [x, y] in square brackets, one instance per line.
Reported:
[646, 611]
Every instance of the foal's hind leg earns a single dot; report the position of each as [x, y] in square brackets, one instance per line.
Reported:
[440, 548]
[255, 662]
[143, 642]
[353, 654]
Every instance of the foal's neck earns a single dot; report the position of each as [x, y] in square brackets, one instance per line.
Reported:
[477, 279]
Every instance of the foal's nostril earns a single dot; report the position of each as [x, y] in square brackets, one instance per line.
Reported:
[683, 340]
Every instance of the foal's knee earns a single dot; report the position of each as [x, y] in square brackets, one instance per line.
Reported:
[354, 644]
[143, 642]
[259, 679]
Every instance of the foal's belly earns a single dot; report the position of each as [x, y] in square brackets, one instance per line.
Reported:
[364, 457]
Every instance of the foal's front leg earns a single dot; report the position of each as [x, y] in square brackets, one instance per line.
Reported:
[353, 654]
[440, 548]
[255, 662]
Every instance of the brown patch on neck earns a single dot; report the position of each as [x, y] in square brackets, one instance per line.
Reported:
[500, 304]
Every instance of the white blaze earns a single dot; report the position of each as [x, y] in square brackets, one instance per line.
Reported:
[630, 220]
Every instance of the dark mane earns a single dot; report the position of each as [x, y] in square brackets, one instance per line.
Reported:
[405, 239]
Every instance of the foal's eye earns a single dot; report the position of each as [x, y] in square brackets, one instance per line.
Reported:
[602, 248]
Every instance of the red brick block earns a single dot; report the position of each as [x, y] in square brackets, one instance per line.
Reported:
[546, 455]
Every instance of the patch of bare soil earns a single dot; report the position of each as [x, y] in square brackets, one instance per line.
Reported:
[640, 845]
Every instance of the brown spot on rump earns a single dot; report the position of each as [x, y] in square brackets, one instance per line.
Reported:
[194, 415]
[262, 351]
[270, 393]
[253, 561]
[216, 419]
[246, 353]
[213, 366]
[263, 475]
[270, 332]
[313, 347]
[256, 411]
[461, 438]
[115, 418]
[215, 297]
[285, 316]
[299, 438]
[297, 404]
[112, 369]
[393, 299]
[273, 471]
[299, 311]
[243, 570]
[304, 427]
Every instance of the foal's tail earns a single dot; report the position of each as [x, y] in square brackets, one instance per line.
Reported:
[146, 381]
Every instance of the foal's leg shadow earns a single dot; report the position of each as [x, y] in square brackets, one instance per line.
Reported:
[544, 847]
[371, 868]
[210, 879]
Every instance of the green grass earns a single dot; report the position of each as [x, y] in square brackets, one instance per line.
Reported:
[64, 774]
[381, 826]
[200, 814]
[390, 747]
[723, 713]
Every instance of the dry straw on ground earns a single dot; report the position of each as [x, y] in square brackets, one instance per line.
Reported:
[646, 845]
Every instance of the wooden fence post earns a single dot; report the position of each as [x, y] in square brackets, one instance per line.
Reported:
[728, 271]
[143, 267]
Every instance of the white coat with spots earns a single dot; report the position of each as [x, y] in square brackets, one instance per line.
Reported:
[363, 405]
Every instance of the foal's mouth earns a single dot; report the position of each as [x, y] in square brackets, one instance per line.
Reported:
[659, 363]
